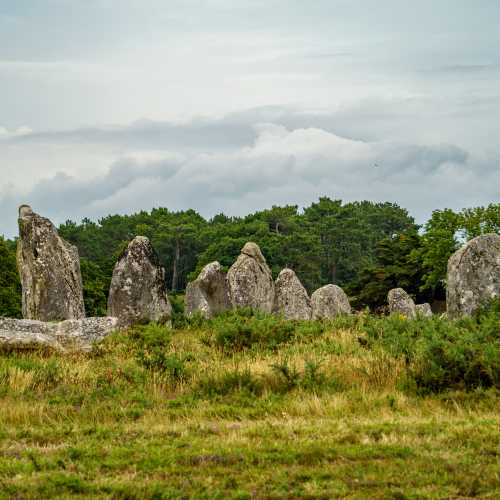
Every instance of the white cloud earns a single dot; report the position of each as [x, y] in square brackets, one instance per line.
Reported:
[280, 166]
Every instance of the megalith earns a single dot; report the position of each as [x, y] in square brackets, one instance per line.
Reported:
[424, 310]
[473, 275]
[250, 280]
[49, 269]
[138, 292]
[329, 301]
[400, 302]
[291, 298]
[208, 294]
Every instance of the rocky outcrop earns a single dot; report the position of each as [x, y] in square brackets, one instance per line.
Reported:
[208, 295]
[69, 335]
[291, 298]
[329, 301]
[250, 280]
[49, 268]
[401, 303]
[423, 310]
[138, 293]
[473, 275]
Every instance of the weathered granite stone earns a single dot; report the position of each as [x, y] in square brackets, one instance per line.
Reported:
[138, 293]
[329, 301]
[49, 268]
[208, 295]
[473, 275]
[250, 280]
[291, 298]
[400, 302]
[423, 310]
[73, 334]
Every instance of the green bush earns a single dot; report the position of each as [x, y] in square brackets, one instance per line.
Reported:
[244, 328]
[235, 381]
[443, 354]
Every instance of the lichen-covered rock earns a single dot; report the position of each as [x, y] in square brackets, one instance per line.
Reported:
[138, 293]
[423, 310]
[49, 268]
[291, 298]
[400, 302]
[473, 275]
[73, 334]
[329, 301]
[250, 280]
[208, 295]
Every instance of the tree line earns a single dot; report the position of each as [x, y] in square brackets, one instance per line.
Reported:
[365, 247]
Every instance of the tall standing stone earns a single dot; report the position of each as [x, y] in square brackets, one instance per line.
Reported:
[49, 268]
[329, 301]
[400, 302]
[208, 295]
[473, 275]
[138, 292]
[250, 280]
[291, 299]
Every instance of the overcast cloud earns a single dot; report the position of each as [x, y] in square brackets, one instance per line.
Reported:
[111, 106]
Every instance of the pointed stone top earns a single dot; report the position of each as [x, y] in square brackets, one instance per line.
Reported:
[25, 211]
[286, 273]
[139, 240]
[252, 250]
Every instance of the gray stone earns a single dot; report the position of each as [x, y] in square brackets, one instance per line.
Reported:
[291, 299]
[69, 335]
[208, 295]
[473, 275]
[423, 310]
[250, 280]
[49, 269]
[400, 302]
[329, 301]
[138, 293]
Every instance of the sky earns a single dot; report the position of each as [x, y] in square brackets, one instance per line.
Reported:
[115, 106]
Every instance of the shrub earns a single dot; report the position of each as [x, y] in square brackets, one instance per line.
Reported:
[241, 381]
[244, 328]
[152, 342]
[443, 354]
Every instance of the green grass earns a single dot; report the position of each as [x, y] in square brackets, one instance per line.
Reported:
[246, 406]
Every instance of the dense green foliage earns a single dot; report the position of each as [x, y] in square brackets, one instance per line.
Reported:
[10, 286]
[366, 247]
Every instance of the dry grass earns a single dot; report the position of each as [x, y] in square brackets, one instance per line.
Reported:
[102, 425]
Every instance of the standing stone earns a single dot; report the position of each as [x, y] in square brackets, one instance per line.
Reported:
[49, 268]
[329, 301]
[209, 293]
[400, 302]
[291, 298]
[250, 280]
[473, 275]
[138, 293]
[423, 310]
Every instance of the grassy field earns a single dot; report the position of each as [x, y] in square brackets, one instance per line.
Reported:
[257, 407]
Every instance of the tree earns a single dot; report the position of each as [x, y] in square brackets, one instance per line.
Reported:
[10, 286]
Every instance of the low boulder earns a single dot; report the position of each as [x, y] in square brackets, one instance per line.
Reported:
[291, 298]
[473, 276]
[424, 310]
[208, 295]
[138, 292]
[49, 269]
[401, 303]
[69, 335]
[329, 301]
[250, 280]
